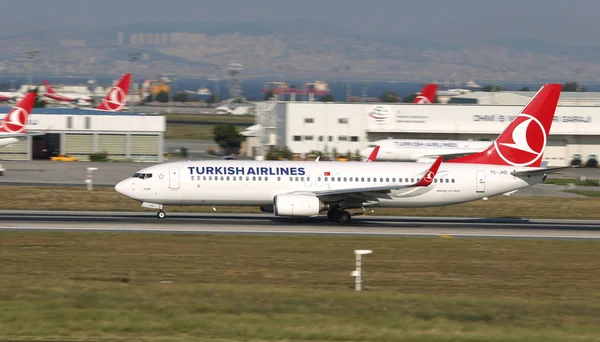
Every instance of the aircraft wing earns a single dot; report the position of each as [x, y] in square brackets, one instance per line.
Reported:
[448, 156]
[374, 192]
[541, 171]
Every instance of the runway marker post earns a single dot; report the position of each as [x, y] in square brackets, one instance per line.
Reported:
[357, 273]
[88, 180]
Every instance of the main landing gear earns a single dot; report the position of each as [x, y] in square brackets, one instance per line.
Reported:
[338, 215]
[161, 214]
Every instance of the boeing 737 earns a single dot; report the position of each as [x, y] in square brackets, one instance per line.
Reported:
[423, 150]
[65, 97]
[297, 188]
[12, 127]
[117, 96]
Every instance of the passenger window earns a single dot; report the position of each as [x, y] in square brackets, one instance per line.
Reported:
[362, 179]
[192, 177]
[291, 179]
[447, 180]
[203, 177]
[406, 180]
[452, 180]
[253, 178]
[148, 175]
[233, 177]
[326, 179]
[435, 180]
[247, 178]
[296, 179]
[266, 178]
[381, 180]
[259, 178]
[227, 177]
[339, 179]
[344, 179]
[350, 179]
[278, 178]
[393, 180]
[387, 180]
[318, 179]
[222, 178]
[302, 179]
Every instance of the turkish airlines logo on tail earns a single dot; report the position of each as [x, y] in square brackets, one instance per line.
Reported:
[115, 100]
[15, 121]
[422, 99]
[525, 144]
[429, 176]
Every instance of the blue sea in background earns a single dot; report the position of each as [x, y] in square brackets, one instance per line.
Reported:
[251, 87]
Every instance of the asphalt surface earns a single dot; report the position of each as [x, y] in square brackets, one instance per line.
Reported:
[267, 224]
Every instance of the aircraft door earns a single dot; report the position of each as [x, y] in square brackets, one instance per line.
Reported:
[480, 181]
[174, 177]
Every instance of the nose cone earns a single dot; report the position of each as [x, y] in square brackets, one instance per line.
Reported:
[124, 188]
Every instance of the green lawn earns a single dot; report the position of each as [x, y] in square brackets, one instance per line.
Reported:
[160, 287]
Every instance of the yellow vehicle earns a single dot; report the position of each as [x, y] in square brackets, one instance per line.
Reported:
[64, 157]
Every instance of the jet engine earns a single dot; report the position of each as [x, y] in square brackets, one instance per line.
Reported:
[297, 205]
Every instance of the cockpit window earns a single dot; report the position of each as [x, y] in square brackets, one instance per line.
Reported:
[136, 175]
[148, 175]
[372, 145]
[142, 175]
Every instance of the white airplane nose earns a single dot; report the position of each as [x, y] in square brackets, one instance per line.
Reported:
[365, 152]
[124, 188]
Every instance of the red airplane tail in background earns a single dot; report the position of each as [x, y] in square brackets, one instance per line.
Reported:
[427, 95]
[117, 96]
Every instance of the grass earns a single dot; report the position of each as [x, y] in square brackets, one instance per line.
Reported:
[191, 132]
[106, 198]
[585, 192]
[158, 287]
[246, 119]
[565, 181]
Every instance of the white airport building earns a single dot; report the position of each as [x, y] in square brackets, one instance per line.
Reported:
[80, 132]
[345, 127]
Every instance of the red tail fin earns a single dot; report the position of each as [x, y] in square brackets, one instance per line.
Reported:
[373, 155]
[427, 95]
[49, 89]
[523, 142]
[117, 96]
[15, 120]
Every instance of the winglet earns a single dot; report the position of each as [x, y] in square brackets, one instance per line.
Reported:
[430, 174]
[373, 155]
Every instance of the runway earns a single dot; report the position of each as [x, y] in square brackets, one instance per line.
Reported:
[267, 224]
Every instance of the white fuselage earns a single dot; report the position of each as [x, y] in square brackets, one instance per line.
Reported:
[231, 182]
[415, 149]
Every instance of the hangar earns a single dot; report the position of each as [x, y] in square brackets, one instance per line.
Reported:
[81, 132]
[316, 126]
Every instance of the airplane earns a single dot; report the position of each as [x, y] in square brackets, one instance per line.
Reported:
[65, 97]
[423, 150]
[10, 96]
[427, 95]
[305, 189]
[371, 158]
[12, 126]
[117, 96]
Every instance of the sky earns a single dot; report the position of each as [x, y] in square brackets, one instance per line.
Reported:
[454, 21]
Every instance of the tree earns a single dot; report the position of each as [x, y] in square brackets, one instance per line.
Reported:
[409, 98]
[163, 97]
[492, 87]
[524, 89]
[181, 97]
[228, 138]
[39, 100]
[389, 96]
[573, 86]
[269, 94]
[326, 98]
[210, 99]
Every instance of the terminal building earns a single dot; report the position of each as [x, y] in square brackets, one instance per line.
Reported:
[345, 127]
[81, 132]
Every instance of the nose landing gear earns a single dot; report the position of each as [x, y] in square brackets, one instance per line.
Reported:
[161, 214]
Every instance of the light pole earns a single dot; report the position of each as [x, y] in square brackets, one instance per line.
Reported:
[30, 55]
[133, 57]
[217, 84]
